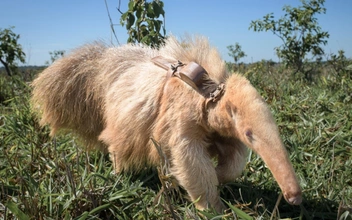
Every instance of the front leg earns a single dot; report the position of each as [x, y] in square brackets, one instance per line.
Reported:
[232, 156]
[194, 170]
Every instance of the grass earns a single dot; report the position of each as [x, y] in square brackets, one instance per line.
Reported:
[45, 178]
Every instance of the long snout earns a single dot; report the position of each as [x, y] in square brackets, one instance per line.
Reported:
[278, 162]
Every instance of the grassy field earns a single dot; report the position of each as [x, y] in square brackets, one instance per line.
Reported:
[45, 178]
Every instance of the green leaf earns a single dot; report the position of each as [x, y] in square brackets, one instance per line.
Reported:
[100, 208]
[123, 18]
[150, 24]
[83, 216]
[16, 211]
[130, 20]
[131, 6]
[150, 11]
[241, 214]
[157, 25]
[158, 9]
[139, 13]
[146, 40]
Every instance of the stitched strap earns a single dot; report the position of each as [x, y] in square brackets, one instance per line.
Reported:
[163, 62]
[194, 75]
[191, 73]
[194, 72]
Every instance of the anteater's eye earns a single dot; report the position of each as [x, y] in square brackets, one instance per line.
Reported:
[249, 133]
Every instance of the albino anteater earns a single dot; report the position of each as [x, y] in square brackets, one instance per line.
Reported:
[117, 98]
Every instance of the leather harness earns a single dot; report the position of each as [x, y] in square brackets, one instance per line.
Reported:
[194, 75]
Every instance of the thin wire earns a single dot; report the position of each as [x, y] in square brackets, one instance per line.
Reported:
[111, 24]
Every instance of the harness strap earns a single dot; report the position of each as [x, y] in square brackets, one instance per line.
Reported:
[194, 75]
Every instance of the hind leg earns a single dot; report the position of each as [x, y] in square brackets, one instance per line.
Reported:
[115, 148]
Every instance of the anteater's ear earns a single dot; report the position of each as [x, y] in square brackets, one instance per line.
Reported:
[223, 118]
[192, 74]
[231, 109]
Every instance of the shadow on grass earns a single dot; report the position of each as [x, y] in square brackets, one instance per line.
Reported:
[261, 200]
[256, 200]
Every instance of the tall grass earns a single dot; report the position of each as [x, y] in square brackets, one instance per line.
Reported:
[55, 178]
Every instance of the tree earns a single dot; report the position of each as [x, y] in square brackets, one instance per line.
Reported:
[10, 50]
[339, 62]
[142, 22]
[56, 54]
[235, 51]
[299, 32]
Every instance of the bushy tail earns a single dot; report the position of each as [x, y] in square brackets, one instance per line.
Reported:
[67, 96]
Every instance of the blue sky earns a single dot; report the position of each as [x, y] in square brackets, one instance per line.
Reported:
[46, 26]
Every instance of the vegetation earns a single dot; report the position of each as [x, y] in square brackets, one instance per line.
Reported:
[56, 178]
[54, 55]
[142, 22]
[10, 50]
[299, 31]
[235, 51]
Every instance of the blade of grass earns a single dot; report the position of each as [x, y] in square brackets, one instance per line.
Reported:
[241, 214]
[16, 211]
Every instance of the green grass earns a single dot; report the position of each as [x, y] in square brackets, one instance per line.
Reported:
[45, 178]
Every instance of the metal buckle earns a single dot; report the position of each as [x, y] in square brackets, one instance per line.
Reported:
[219, 91]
